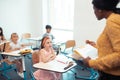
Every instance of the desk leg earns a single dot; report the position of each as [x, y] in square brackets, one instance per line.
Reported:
[59, 49]
[23, 64]
[37, 44]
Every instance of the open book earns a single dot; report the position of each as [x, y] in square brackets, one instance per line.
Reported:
[86, 51]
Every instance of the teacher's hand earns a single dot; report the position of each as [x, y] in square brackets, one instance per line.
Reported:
[92, 43]
[86, 61]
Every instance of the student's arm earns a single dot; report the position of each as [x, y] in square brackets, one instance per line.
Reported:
[44, 58]
[53, 54]
[7, 47]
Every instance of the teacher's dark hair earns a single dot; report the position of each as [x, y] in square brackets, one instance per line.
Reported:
[108, 5]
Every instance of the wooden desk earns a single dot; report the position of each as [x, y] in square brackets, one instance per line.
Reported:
[58, 65]
[17, 53]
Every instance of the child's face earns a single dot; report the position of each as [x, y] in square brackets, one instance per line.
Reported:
[48, 30]
[14, 38]
[48, 43]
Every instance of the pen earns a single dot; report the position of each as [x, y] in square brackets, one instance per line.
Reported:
[61, 61]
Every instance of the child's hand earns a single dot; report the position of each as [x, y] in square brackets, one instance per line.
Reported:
[52, 57]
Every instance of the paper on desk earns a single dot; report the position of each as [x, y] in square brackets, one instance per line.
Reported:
[86, 51]
[58, 64]
[13, 53]
[54, 66]
[62, 59]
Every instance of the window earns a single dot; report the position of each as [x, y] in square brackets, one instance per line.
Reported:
[60, 15]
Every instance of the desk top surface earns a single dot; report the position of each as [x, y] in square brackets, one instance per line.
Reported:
[35, 38]
[14, 53]
[60, 64]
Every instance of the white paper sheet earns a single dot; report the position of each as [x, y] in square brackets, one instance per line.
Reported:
[87, 51]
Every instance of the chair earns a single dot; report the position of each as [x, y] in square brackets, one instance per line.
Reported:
[35, 59]
[93, 74]
[5, 67]
[25, 37]
[69, 46]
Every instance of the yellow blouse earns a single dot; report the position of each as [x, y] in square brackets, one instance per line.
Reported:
[108, 45]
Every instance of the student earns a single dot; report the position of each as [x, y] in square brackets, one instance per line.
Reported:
[3, 47]
[108, 43]
[15, 45]
[48, 32]
[46, 54]
[2, 38]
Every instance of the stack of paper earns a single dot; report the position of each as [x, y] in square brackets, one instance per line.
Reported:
[86, 51]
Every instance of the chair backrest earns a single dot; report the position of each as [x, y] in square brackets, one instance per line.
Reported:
[26, 35]
[70, 43]
[35, 57]
[69, 46]
[25, 39]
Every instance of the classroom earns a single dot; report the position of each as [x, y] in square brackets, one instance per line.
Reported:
[69, 20]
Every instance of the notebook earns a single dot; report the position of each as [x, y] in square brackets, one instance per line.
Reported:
[86, 51]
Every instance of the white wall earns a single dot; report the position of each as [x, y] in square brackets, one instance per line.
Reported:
[21, 16]
[36, 23]
[86, 26]
[26, 16]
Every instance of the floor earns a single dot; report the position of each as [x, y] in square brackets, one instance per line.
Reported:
[69, 75]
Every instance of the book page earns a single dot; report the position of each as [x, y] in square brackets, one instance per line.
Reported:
[87, 51]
